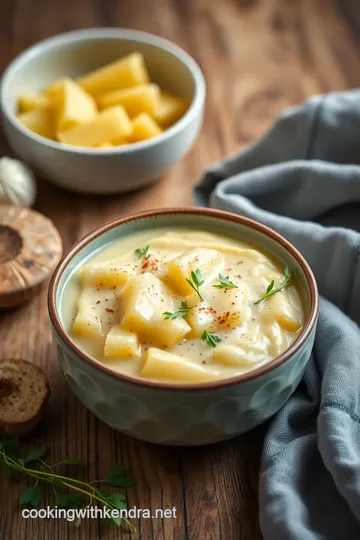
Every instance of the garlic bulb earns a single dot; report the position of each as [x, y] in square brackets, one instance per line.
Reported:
[17, 183]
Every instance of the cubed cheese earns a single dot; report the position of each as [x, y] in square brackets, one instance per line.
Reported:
[29, 101]
[128, 71]
[144, 127]
[171, 108]
[74, 106]
[40, 121]
[105, 127]
[135, 100]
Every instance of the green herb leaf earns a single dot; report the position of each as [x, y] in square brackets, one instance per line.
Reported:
[270, 287]
[117, 500]
[71, 461]
[81, 494]
[270, 290]
[195, 282]
[35, 453]
[31, 495]
[71, 500]
[183, 311]
[117, 477]
[211, 339]
[225, 283]
[78, 522]
[141, 252]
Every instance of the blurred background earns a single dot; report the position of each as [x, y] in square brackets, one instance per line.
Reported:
[258, 57]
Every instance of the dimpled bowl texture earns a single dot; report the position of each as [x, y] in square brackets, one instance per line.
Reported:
[175, 414]
[106, 170]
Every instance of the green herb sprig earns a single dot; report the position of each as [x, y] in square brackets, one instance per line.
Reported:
[195, 282]
[141, 252]
[271, 290]
[78, 494]
[225, 283]
[183, 311]
[211, 339]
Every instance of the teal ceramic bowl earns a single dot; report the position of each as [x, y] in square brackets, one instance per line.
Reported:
[184, 414]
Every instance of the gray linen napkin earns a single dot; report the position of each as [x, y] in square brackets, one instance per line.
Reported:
[298, 179]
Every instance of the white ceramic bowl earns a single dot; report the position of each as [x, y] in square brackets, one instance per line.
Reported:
[102, 170]
[173, 413]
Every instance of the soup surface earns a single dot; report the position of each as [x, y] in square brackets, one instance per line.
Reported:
[182, 305]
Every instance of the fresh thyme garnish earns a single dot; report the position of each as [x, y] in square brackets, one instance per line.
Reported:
[183, 311]
[81, 494]
[225, 283]
[141, 252]
[270, 289]
[195, 282]
[211, 339]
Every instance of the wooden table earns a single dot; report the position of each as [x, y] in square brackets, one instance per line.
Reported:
[258, 58]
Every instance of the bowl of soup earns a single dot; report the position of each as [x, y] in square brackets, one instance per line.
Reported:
[183, 326]
[102, 110]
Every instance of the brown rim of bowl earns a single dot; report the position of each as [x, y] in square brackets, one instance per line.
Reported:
[227, 216]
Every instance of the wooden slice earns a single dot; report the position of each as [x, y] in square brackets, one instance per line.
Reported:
[30, 248]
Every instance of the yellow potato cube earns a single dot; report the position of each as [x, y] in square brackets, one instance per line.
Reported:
[120, 343]
[105, 127]
[40, 121]
[123, 73]
[163, 365]
[178, 270]
[53, 89]
[74, 106]
[170, 110]
[231, 306]
[86, 323]
[200, 318]
[135, 100]
[144, 127]
[28, 102]
[107, 275]
[231, 355]
[146, 299]
[278, 308]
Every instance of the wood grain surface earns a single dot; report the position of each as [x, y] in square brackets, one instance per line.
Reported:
[258, 58]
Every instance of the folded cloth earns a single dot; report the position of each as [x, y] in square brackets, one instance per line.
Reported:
[300, 179]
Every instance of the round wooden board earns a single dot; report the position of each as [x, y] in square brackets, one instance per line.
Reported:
[30, 248]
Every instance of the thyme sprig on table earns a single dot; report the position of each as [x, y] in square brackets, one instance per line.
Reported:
[225, 283]
[195, 282]
[183, 311]
[270, 288]
[78, 494]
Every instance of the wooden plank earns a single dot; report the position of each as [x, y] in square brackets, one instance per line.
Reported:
[258, 58]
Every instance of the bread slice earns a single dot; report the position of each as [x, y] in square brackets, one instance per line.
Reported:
[24, 391]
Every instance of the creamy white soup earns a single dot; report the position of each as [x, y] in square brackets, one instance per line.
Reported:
[182, 306]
